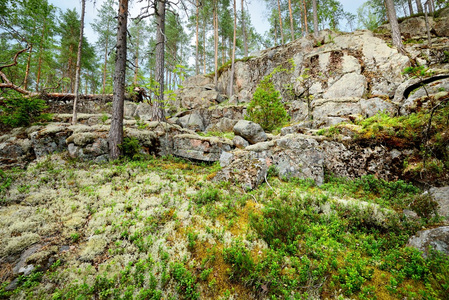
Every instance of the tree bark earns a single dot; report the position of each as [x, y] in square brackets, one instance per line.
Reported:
[136, 61]
[158, 105]
[280, 22]
[231, 81]
[245, 42]
[78, 63]
[204, 46]
[419, 6]
[197, 63]
[410, 6]
[216, 41]
[27, 70]
[395, 32]
[291, 19]
[116, 131]
[315, 18]
[306, 26]
[39, 64]
[105, 61]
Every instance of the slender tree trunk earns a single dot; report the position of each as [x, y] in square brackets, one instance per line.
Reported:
[245, 42]
[116, 131]
[291, 19]
[410, 6]
[223, 52]
[158, 111]
[27, 71]
[315, 18]
[280, 22]
[39, 64]
[231, 81]
[78, 63]
[216, 41]
[105, 61]
[136, 61]
[419, 6]
[197, 63]
[204, 46]
[395, 32]
[306, 26]
[275, 35]
[429, 40]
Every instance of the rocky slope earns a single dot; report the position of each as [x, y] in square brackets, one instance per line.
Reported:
[74, 225]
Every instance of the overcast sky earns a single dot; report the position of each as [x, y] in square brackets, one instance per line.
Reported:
[256, 9]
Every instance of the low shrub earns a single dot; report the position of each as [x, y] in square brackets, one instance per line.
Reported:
[19, 111]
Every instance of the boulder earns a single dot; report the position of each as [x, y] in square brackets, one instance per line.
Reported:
[223, 125]
[244, 168]
[250, 131]
[436, 238]
[441, 196]
[192, 121]
[195, 147]
[442, 23]
[240, 142]
[144, 111]
[415, 27]
[299, 156]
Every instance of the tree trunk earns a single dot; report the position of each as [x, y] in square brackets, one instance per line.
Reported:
[395, 32]
[315, 18]
[158, 105]
[216, 41]
[39, 64]
[306, 26]
[27, 71]
[419, 6]
[291, 19]
[105, 61]
[204, 47]
[197, 63]
[275, 35]
[116, 131]
[78, 63]
[136, 61]
[429, 40]
[245, 42]
[223, 50]
[410, 6]
[280, 22]
[231, 81]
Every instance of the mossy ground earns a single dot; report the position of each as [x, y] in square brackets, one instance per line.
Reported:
[161, 228]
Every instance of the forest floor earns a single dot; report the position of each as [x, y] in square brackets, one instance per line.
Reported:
[162, 228]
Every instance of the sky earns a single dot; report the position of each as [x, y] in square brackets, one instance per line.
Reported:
[255, 7]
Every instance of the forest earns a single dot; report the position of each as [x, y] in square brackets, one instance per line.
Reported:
[176, 151]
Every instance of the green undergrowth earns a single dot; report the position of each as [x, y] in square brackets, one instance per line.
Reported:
[161, 228]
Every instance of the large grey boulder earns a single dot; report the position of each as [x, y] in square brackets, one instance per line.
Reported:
[223, 125]
[250, 131]
[300, 157]
[240, 142]
[245, 168]
[196, 147]
[192, 121]
[441, 196]
[436, 238]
